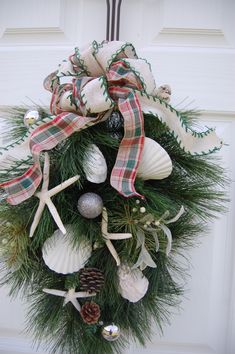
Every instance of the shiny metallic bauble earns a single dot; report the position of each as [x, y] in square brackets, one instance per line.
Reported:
[111, 332]
[90, 205]
[115, 121]
[115, 124]
[30, 118]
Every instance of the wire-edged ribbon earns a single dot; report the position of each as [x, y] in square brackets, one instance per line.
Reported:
[105, 76]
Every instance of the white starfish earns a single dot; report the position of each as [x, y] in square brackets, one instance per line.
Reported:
[69, 296]
[45, 198]
[111, 236]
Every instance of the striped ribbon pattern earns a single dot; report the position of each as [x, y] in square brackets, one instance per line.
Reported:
[105, 76]
[47, 136]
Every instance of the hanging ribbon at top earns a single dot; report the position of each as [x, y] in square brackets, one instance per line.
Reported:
[105, 76]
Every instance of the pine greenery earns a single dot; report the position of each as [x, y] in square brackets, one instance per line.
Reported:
[197, 183]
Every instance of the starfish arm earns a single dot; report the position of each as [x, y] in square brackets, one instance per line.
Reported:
[63, 185]
[84, 294]
[118, 236]
[54, 292]
[46, 172]
[113, 252]
[55, 215]
[76, 304]
[37, 218]
[104, 223]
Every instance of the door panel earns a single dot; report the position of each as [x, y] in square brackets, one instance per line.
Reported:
[190, 45]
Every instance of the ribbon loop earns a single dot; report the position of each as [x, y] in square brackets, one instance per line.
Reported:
[105, 75]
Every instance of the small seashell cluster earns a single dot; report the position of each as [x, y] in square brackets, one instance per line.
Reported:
[164, 92]
[31, 117]
[133, 285]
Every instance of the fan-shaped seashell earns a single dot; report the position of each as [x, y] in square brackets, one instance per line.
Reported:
[94, 165]
[62, 256]
[155, 162]
[133, 285]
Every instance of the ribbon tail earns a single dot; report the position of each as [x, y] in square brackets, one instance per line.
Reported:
[45, 137]
[192, 142]
[23, 187]
[147, 259]
[155, 236]
[144, 260]
[178, 215]
[140, 238]
[168, 234]
[131, 147]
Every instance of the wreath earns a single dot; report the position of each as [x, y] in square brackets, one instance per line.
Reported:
[99, 198]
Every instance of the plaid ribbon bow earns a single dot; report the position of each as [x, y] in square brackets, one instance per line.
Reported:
[119, 84]
[105, 75]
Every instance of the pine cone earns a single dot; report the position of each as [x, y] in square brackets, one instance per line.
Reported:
[90, 312]
[91, 280]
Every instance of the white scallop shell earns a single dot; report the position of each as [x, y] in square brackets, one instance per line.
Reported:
[60, 255]
[155, 162]
[94, 165]
[133, 285]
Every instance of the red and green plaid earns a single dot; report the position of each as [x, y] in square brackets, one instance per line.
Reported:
[120, 83]
[129, 154]
[122, 80]
[43, 138]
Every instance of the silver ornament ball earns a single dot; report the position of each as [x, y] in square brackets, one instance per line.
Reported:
[90, 205]
[111, 332]
[31, 117]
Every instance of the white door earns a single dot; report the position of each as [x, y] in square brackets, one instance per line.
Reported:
[190, 44]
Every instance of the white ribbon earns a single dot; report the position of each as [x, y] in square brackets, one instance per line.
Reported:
[96, 60]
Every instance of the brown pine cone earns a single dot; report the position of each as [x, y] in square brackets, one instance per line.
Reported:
[90, 312]
[91, 280]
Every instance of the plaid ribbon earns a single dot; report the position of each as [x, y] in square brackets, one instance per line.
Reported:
[131, 147]
[130, 150]
[106, 75]
[47, 136]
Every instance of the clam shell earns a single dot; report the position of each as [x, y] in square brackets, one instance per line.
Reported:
[133, 285]
[60, 255]
[155, 162]
[94, 165]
